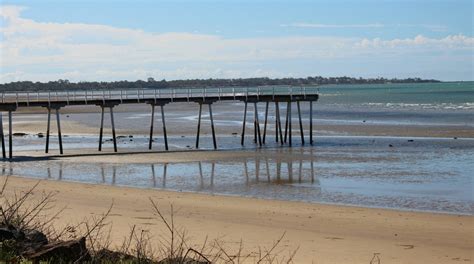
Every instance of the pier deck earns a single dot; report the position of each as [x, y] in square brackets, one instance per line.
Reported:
[108, 99]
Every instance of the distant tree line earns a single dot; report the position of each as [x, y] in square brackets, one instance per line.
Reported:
[152, 83]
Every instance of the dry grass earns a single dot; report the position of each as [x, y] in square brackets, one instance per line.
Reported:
[23, 211]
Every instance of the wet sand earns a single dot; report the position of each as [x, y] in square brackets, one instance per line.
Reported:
[181, 119]
[323, 233]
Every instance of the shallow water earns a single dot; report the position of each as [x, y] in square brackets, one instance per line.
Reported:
[426, 174]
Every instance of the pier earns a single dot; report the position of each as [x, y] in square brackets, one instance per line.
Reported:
[272, 97]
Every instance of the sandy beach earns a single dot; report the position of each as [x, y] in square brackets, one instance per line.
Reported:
[360, 161]
[323, 233]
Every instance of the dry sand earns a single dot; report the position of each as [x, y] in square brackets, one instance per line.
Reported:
[324, 233]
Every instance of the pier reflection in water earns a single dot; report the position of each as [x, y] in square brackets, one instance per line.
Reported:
[414, 175]
[246, 176]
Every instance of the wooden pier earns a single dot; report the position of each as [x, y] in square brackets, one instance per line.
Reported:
[108, 99]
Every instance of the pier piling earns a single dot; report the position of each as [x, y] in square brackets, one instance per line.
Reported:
[150, 141]
[164, 126]
[101, 132]
[60, 139]
[301, 123]
[289, 124]
[244, 124]
[10, 135]
[48, 126]
[265, 122]
[199, 126]
[311, 122]
[280, 132]
[212, 127]
[4, 155]
[113, 128]
[257, 125]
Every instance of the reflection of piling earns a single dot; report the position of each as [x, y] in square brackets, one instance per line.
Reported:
[213, 168]
[114, 174]
[153, 175]
[201, 180]
[165, 170]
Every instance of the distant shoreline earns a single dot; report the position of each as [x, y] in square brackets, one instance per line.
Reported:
[203, 83]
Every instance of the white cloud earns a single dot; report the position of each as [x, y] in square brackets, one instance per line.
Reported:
[31, 50]
[315, 25]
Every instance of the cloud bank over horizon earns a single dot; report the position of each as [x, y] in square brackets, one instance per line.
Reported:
[43, 51]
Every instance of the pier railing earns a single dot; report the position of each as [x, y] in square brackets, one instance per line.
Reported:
[147, 94]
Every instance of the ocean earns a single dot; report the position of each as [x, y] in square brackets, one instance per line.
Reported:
[400, 146]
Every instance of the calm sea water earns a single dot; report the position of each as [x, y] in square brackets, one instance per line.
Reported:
[456, 95]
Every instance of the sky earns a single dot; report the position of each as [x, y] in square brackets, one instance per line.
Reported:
[129, 40]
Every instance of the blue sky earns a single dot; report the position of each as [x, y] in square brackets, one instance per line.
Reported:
[113, 40]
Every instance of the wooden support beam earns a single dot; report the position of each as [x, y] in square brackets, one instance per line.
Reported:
[244, 124]
[301, 123]
[10, 135]
[101, 132]
[265, 122]
[60, 139]
[164, 126]
[212, 127]
[113, 128]
[152, 121]
[4, 155]
[199, 125]
[257, 124]
[48, 126]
